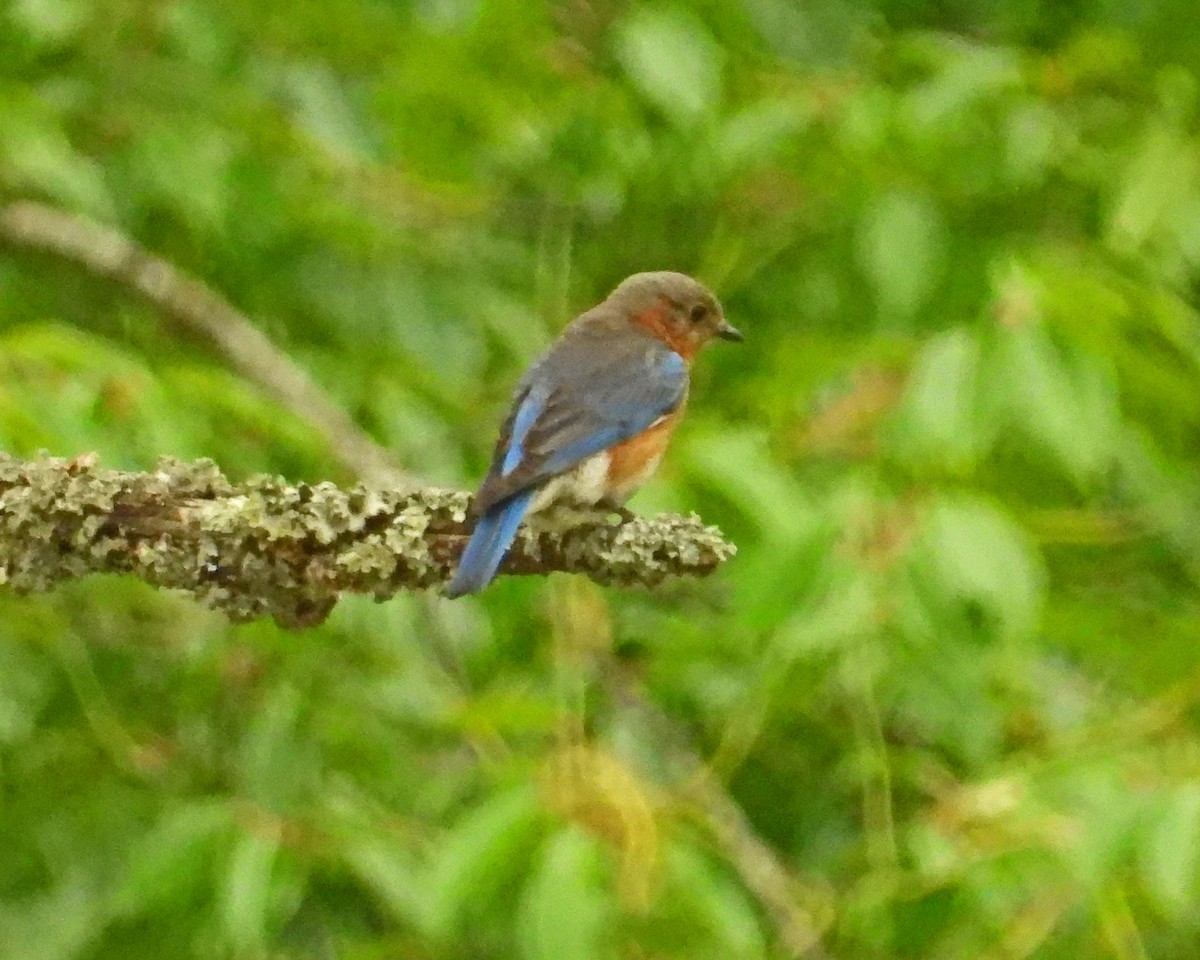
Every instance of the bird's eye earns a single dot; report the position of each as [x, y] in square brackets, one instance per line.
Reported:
[698, 312]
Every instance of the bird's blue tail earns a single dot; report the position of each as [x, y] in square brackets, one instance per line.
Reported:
[489, 543]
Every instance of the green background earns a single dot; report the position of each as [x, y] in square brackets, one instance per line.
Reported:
[946, 694]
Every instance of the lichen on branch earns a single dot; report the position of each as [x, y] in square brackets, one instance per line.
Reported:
[266, 547]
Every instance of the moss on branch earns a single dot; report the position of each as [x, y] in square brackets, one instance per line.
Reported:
[269, 548]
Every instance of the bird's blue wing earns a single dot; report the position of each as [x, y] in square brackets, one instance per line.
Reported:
[587, 394]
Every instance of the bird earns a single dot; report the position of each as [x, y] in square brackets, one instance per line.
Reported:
[590, 420]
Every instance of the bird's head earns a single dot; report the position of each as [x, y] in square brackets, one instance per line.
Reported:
[674, 307]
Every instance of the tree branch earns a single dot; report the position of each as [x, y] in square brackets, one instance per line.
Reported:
[269, 548]
[196, 307]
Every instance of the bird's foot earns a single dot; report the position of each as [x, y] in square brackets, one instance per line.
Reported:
[619, 509]
[564, 516]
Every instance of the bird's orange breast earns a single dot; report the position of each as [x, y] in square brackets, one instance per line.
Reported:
[632, 462]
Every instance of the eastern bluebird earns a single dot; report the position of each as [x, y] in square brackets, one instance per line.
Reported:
[591, 418]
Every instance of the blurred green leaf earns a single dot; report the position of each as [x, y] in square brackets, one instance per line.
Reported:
[845, 610]
[172, 864]
[963, 75]
[758, 134]
[1160, 178]
[1068, 408]
[270, 764]
[1170, 858]
[323, 109]
[739, 466]
[391, 875]
[481, 857]
[247, 890]
[1032, 141]
[203, 150]
[941, 420]
[981, 565]
[26, 686]
[901, 249]
[88, 393]
[673, 59]
[59, 925]
[563, 913]
[728, 922]
[36, 154]
[51, 21]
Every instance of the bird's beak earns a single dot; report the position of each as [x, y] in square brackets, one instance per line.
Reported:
[727, 331]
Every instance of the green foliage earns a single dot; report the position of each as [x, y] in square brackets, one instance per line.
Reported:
[949, 679]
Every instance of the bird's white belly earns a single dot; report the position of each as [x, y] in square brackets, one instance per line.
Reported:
[583, 486]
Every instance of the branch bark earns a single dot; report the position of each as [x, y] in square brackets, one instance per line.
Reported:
[269, 548]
